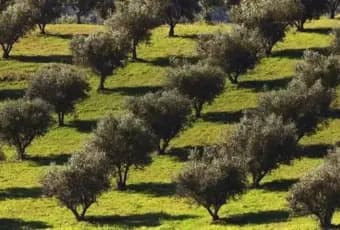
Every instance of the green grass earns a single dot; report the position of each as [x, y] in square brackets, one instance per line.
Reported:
[150, 201]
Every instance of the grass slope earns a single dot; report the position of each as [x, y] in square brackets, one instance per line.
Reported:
[150, 201]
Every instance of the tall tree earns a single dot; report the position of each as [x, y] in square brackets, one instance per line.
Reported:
[175, 10]
[136, 18]
[103, 52]
[82, 7]
[333, 5]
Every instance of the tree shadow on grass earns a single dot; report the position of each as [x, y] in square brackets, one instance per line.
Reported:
[182, 154]
[66, 59]
[325, 30]
[133, 91]
[153, 189]
[84, 126]
[315, 151]
[137, 220]
[20, 193]
[17, 224]
[166, 61]
[279, 185]
[223, 117]
[59, 159]
[265, 85]
[334, 114]
[261, 217]
[298, 53]
[62, 36]
[12, 94]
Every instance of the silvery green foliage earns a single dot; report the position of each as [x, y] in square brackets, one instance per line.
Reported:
[15, 21]
[318, 192]
[211, 181]
[336, 43]
[305, 106]
[264, 143]
[270, 17]
[201, 83]
[136, 18]
[166, 113]
[235, 52]
[102, 51]
[81, 7]
[127, 143]
[61, 86]
[332, 6]
[22, 121]
[316, 66]
[78, 184]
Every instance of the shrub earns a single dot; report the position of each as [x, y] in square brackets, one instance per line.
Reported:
[22, 121]
[103, 52]
[78, 185]
[235, 53]
[265, 143]
[201, 83]
[137, 18]
[316, 67]
[210, 181]
[127, 142]
[166, 113]
[304, 106]
[317, 193]
[270, 17]
[61, 86]
[15, 21]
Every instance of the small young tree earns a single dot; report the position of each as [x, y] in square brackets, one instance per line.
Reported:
[304, 106]
[235, 53]
[265, 143]
[311, 9]
[201, 83]
[78, 185]
[45, 12]
[316, 67]
[333, 5]
[211, 182]
[103, 52]
[317, 193]
[61, 86]
[15, 21]
[127, 142]
[137, 18]
[22, 121]
[166, 113]
[270, 17]
[175, 10]
[82, 7]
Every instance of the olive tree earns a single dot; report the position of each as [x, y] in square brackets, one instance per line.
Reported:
[270, 17]
[235, 52]
[81, 7]
[78, 184]
[22, 121]
[102, 51]
[335, 48]
[15, 21]
[265, 142]
[211, 182]
[317, 193]
[316, 66]
[61, 86]
[311, 9]
[45, 12]
[209, 5]
[127, 142]
[136, 18]
[105, 8]
[175, 10]
[4, 4]
[305, 106]
[166, 113]
[332, 7]
[201, 83]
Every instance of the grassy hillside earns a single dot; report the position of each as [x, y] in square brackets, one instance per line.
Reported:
[150, 201]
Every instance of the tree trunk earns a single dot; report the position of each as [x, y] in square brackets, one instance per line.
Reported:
[301, 25]
[42, 28]
[163, 145]
[213, 214]
[172, 30]
[198, 109]
[134, 50]
[6, 50]
[332, 15]
[325, 222]
[256, 180]
[61, 119]
[233, 79]
[78, 18]
[76, 214]
[101, 86]
[21, 153]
